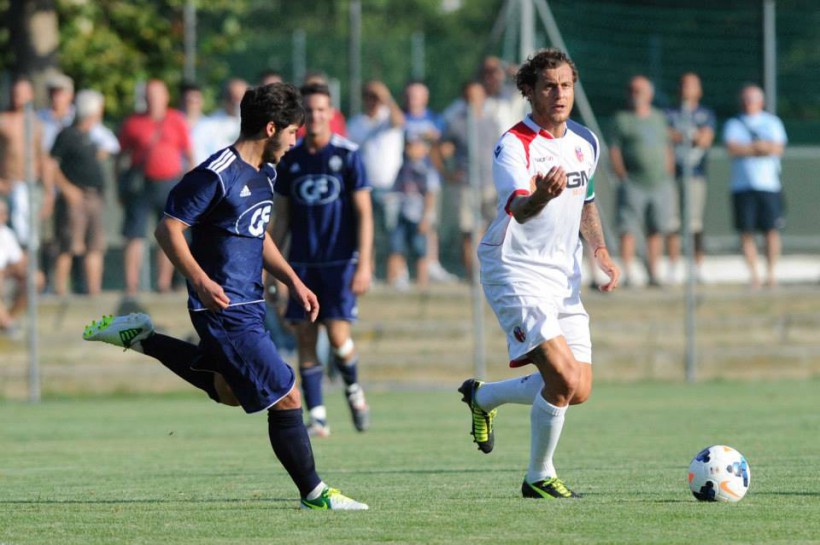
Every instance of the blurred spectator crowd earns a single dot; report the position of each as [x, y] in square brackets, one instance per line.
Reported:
[425, 188]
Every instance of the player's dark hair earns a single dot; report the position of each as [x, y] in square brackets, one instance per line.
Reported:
[315, 89]
[277, 102]
[543, 59]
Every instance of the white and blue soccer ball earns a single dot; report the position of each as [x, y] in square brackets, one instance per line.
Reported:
[719, 473]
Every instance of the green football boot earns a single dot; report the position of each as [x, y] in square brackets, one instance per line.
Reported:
[482, 426]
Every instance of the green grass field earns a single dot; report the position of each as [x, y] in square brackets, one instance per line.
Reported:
[180, 469]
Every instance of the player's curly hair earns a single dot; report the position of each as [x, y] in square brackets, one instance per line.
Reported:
[277, 102]
[543, 59]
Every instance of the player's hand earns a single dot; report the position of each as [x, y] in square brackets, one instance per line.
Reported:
[550, 185]
[605, 263]
[212, 295]
[361, 280]
[306, 298]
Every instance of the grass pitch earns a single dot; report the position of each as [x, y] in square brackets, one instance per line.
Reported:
[182, 470]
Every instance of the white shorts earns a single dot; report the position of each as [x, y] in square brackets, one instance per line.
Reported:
[529, 320]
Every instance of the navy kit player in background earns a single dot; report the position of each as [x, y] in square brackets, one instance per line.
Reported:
[226, 204]
[323, 204]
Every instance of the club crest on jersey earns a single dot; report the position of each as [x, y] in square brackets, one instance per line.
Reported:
[315, 190]
[519, 334]
[579, 153]
[254, 220]
[335, 163]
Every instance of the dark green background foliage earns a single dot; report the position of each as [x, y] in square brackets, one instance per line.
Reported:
[113, 44]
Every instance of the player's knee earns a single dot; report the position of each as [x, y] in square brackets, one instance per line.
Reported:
[569, 379]
[309, 363]
[293, 400]
[224, 394]
[584, 389]
[582, 394]
[345, 349]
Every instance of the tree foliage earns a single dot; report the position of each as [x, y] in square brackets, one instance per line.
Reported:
[111, 45]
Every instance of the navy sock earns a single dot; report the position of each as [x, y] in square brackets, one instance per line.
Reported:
[178, 356]
[312, 386]
[291, 444]
[349, 370]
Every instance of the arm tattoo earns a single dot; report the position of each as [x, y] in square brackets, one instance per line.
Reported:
[591, 228]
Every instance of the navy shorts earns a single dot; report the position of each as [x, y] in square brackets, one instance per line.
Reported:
[331, 284]
[758, 211]
[406, 239]
[234, 343]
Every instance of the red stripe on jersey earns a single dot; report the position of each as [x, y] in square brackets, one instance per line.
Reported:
[526, 135]
[516, 193]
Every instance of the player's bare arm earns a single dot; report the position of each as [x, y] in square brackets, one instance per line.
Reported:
[276, 264]
[280, 227]
[544, 187]
[171, 238]
[363, 205]
[593, 233]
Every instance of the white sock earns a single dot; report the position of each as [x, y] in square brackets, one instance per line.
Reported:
[546, 423]
[521, 390]
[319, 413]
[316, 492]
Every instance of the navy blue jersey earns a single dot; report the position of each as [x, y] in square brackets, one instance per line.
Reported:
[227, 203]
[320, 186]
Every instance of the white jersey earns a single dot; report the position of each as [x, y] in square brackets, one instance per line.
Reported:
[543, 254]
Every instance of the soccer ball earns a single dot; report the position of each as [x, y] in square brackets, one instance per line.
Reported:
[719, 473]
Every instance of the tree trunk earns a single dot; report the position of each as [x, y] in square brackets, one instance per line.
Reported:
[34, 34]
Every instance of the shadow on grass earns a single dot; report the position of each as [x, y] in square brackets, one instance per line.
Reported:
[788, 493]
[146, 501]
[410, 471]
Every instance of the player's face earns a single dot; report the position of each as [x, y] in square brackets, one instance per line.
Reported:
[278, 144]
[553, 97]
[318, 113]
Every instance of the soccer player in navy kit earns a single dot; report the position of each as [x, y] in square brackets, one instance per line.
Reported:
[323, 204]
[226, 204]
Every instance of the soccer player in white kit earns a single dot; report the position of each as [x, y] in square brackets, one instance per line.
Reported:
[531, 266]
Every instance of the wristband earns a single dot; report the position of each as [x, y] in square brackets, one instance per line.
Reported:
[595, 253]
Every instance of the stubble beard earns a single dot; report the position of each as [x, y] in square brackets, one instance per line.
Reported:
[273, 149]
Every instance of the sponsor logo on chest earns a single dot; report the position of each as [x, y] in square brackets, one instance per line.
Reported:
[316, 190]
